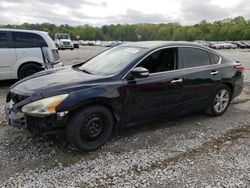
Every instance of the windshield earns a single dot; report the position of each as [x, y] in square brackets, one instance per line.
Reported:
[63, 36]
[112, 61]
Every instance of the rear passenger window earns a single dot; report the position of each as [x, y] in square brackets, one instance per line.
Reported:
[215, 58]
[193, 57]
[27, 40]
[3, 40]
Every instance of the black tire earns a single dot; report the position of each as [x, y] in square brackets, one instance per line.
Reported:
[28, 69]
[213, 102]
[72, 48]
[90, 128]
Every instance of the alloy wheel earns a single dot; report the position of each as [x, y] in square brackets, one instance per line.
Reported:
[221, 101]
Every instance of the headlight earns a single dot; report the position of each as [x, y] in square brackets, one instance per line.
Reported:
[44, 106]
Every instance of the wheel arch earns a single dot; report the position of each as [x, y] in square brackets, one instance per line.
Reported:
[27, 63]
[230, 86]
[101, 101]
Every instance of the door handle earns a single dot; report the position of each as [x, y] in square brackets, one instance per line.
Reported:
[214, 72]
[176, 81]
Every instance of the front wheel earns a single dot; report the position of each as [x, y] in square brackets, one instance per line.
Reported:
[90, 128]
[219, 101]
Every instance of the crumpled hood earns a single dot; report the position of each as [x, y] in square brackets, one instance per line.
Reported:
[53, 80]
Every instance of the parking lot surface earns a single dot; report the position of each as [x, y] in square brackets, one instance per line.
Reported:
[191, 151]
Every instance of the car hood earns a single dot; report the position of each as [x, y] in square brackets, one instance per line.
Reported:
[65, 40]
[54, 81]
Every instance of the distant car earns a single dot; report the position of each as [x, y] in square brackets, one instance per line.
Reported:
[216, 45]
[76, 44]
[239, 44]
[98, 43]
[246, 43]
[108, 44]
[123, 86]
[63, 41]
[25, 52]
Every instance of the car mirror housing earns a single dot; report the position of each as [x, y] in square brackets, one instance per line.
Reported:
[140, 72]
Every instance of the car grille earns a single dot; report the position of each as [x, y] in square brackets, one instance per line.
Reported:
[66, 43]
[16, 98]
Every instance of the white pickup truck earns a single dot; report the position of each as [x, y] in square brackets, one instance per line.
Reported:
[63, 41]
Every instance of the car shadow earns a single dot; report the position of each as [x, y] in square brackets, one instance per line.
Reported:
[60, 141]
[159, 124]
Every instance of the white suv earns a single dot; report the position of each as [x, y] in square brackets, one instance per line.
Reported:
[24, 52]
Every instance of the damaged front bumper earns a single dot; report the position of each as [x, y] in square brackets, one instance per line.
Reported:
[46, 125]
[16, 119]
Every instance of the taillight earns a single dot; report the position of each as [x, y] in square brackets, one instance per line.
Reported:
[239, 68]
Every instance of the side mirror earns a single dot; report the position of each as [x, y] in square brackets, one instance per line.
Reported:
[140, 72]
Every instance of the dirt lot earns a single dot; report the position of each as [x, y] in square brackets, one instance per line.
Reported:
[191, 151]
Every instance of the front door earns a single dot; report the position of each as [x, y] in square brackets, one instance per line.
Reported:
[159, 94]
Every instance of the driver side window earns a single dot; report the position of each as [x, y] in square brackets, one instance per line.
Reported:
[160, 61]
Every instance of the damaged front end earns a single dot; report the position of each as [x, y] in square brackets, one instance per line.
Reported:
[37, 124]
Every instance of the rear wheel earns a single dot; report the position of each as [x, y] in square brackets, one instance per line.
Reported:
[28, 69]
[219, 101]
[90, 128]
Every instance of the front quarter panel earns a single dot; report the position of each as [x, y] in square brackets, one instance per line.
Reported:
[108, 95]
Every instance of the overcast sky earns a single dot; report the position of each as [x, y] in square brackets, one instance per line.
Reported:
[101, 12]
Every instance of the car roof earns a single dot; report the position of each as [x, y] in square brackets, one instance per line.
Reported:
[24, 30]
[158, 44]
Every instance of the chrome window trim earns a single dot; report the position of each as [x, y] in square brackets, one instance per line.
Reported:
[161, 48]
[220, 58]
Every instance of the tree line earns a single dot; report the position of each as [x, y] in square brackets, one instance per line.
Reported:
[237, 28]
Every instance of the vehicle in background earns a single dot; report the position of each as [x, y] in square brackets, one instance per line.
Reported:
[24, 52]
[202, 42]
[216, 45]
[98, 43]
[246, 43]
[239, 44]
[223, 45]
[106, 44]
[124, 86]
[76, 44]
[63, 41]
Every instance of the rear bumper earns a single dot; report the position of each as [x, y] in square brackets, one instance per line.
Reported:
[238, 87]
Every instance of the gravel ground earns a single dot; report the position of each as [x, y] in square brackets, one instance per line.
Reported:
[190, 151]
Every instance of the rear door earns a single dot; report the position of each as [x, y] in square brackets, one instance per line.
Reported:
[8, 56]
[201, 75]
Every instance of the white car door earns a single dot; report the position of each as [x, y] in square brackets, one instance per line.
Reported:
[8, 57]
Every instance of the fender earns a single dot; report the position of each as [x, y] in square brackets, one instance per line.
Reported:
[109, 96]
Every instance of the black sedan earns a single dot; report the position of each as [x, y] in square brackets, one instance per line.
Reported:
[124, 86]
